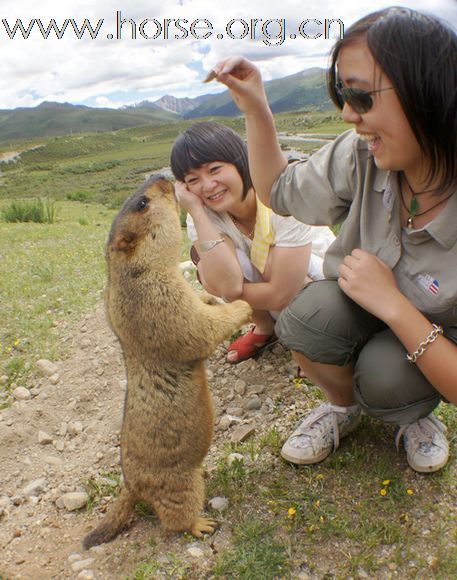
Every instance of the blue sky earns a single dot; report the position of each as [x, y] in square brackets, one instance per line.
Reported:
[146, 49]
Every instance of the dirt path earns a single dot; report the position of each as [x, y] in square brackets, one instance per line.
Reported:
[67, 434]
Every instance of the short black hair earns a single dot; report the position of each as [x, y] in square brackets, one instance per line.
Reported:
[418, 52]
[205, 142]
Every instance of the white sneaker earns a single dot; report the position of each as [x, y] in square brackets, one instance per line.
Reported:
[320, 432]
[426, 446]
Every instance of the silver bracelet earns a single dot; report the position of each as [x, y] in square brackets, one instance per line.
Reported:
[210, 244]
[437, 330]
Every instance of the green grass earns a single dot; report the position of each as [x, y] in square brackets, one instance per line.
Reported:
[256, 553]
[49, 276]
[37, 211]
[329, 519]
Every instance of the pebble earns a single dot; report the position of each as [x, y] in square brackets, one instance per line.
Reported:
[235, 411]
[234, 457]
[74, 500]
[75, 428]
[82, 564]
[21, 394]
[240, 387]
[46, 367]
[44, 438]
[195, 552]
[218, 503]
[35, 487]
[59, 445]
[86, 575]
[253, 404]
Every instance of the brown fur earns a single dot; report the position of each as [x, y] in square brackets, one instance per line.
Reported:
[166, 331]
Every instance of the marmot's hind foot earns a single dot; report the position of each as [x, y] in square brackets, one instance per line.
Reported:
[203, 525]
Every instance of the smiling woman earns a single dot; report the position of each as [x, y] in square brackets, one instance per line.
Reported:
[380, 333]
[266, 259]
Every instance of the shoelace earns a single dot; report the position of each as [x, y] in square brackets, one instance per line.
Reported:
[423, 429]
[316, 415]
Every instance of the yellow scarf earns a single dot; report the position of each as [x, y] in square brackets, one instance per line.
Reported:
[263, 236]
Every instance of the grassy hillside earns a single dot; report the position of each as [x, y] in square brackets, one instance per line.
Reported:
[62, 118]
[302, 91]
[105, 167]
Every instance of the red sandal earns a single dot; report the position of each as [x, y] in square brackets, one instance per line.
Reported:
[249, 345]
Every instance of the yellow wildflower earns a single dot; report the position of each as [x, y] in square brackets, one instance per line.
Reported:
[317, 503]
[291, 512]
[410, 491]
[386, 482]
[383, 491]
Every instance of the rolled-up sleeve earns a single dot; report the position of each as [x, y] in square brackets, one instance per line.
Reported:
[319, 191]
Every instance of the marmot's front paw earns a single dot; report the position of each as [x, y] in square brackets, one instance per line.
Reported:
[243, 310]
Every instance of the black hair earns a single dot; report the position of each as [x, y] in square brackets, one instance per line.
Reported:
[418, 52]
[205, 142]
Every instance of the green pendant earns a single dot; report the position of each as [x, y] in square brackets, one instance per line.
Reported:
[414, 206]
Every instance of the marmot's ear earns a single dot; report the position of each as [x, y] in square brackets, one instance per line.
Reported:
[161, 186]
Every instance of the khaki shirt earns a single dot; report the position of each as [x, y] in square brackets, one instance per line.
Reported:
[341, 183]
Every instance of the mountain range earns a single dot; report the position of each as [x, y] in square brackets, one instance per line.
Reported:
[303, 91]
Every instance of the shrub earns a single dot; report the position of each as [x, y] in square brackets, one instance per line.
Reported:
[38, 211]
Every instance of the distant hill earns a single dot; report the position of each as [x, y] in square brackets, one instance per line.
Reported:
[52, 119]
[303, 91]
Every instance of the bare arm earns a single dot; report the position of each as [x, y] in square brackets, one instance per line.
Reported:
[266, 160]
[284, 277]
[219, 267]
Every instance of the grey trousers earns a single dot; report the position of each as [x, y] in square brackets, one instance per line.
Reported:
[326, 326]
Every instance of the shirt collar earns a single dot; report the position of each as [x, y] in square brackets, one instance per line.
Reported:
[444, 227]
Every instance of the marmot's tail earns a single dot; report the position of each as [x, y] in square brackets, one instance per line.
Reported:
[113, 523]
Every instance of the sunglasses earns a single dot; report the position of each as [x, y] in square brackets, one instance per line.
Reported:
[359, 100]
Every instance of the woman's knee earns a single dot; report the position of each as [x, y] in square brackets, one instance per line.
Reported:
[325, 325]
[388, 386]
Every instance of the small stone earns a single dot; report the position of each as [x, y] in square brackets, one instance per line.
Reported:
[51, 460]
[59, 445]
[82, 564]
[240, 387]
[75, 428]
[54, 379]
[234, 457]
[235, 411]
[46, 367]
[218, 503]
[253, 404]
[21, 394]
[75, 500]
[242, 432]
[44, 438]
[195, 552]
[86, 575]
[255, 389]
[35, 487]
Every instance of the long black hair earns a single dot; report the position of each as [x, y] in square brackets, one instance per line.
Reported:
[418, 53]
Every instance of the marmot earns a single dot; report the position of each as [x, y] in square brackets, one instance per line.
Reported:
[166, 331]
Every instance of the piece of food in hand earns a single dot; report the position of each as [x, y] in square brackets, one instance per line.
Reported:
[210, 76]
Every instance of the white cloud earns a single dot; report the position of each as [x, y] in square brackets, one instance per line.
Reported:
[110, 71]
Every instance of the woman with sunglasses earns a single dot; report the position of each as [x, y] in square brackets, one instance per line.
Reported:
[241, 248]
[379, 334]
